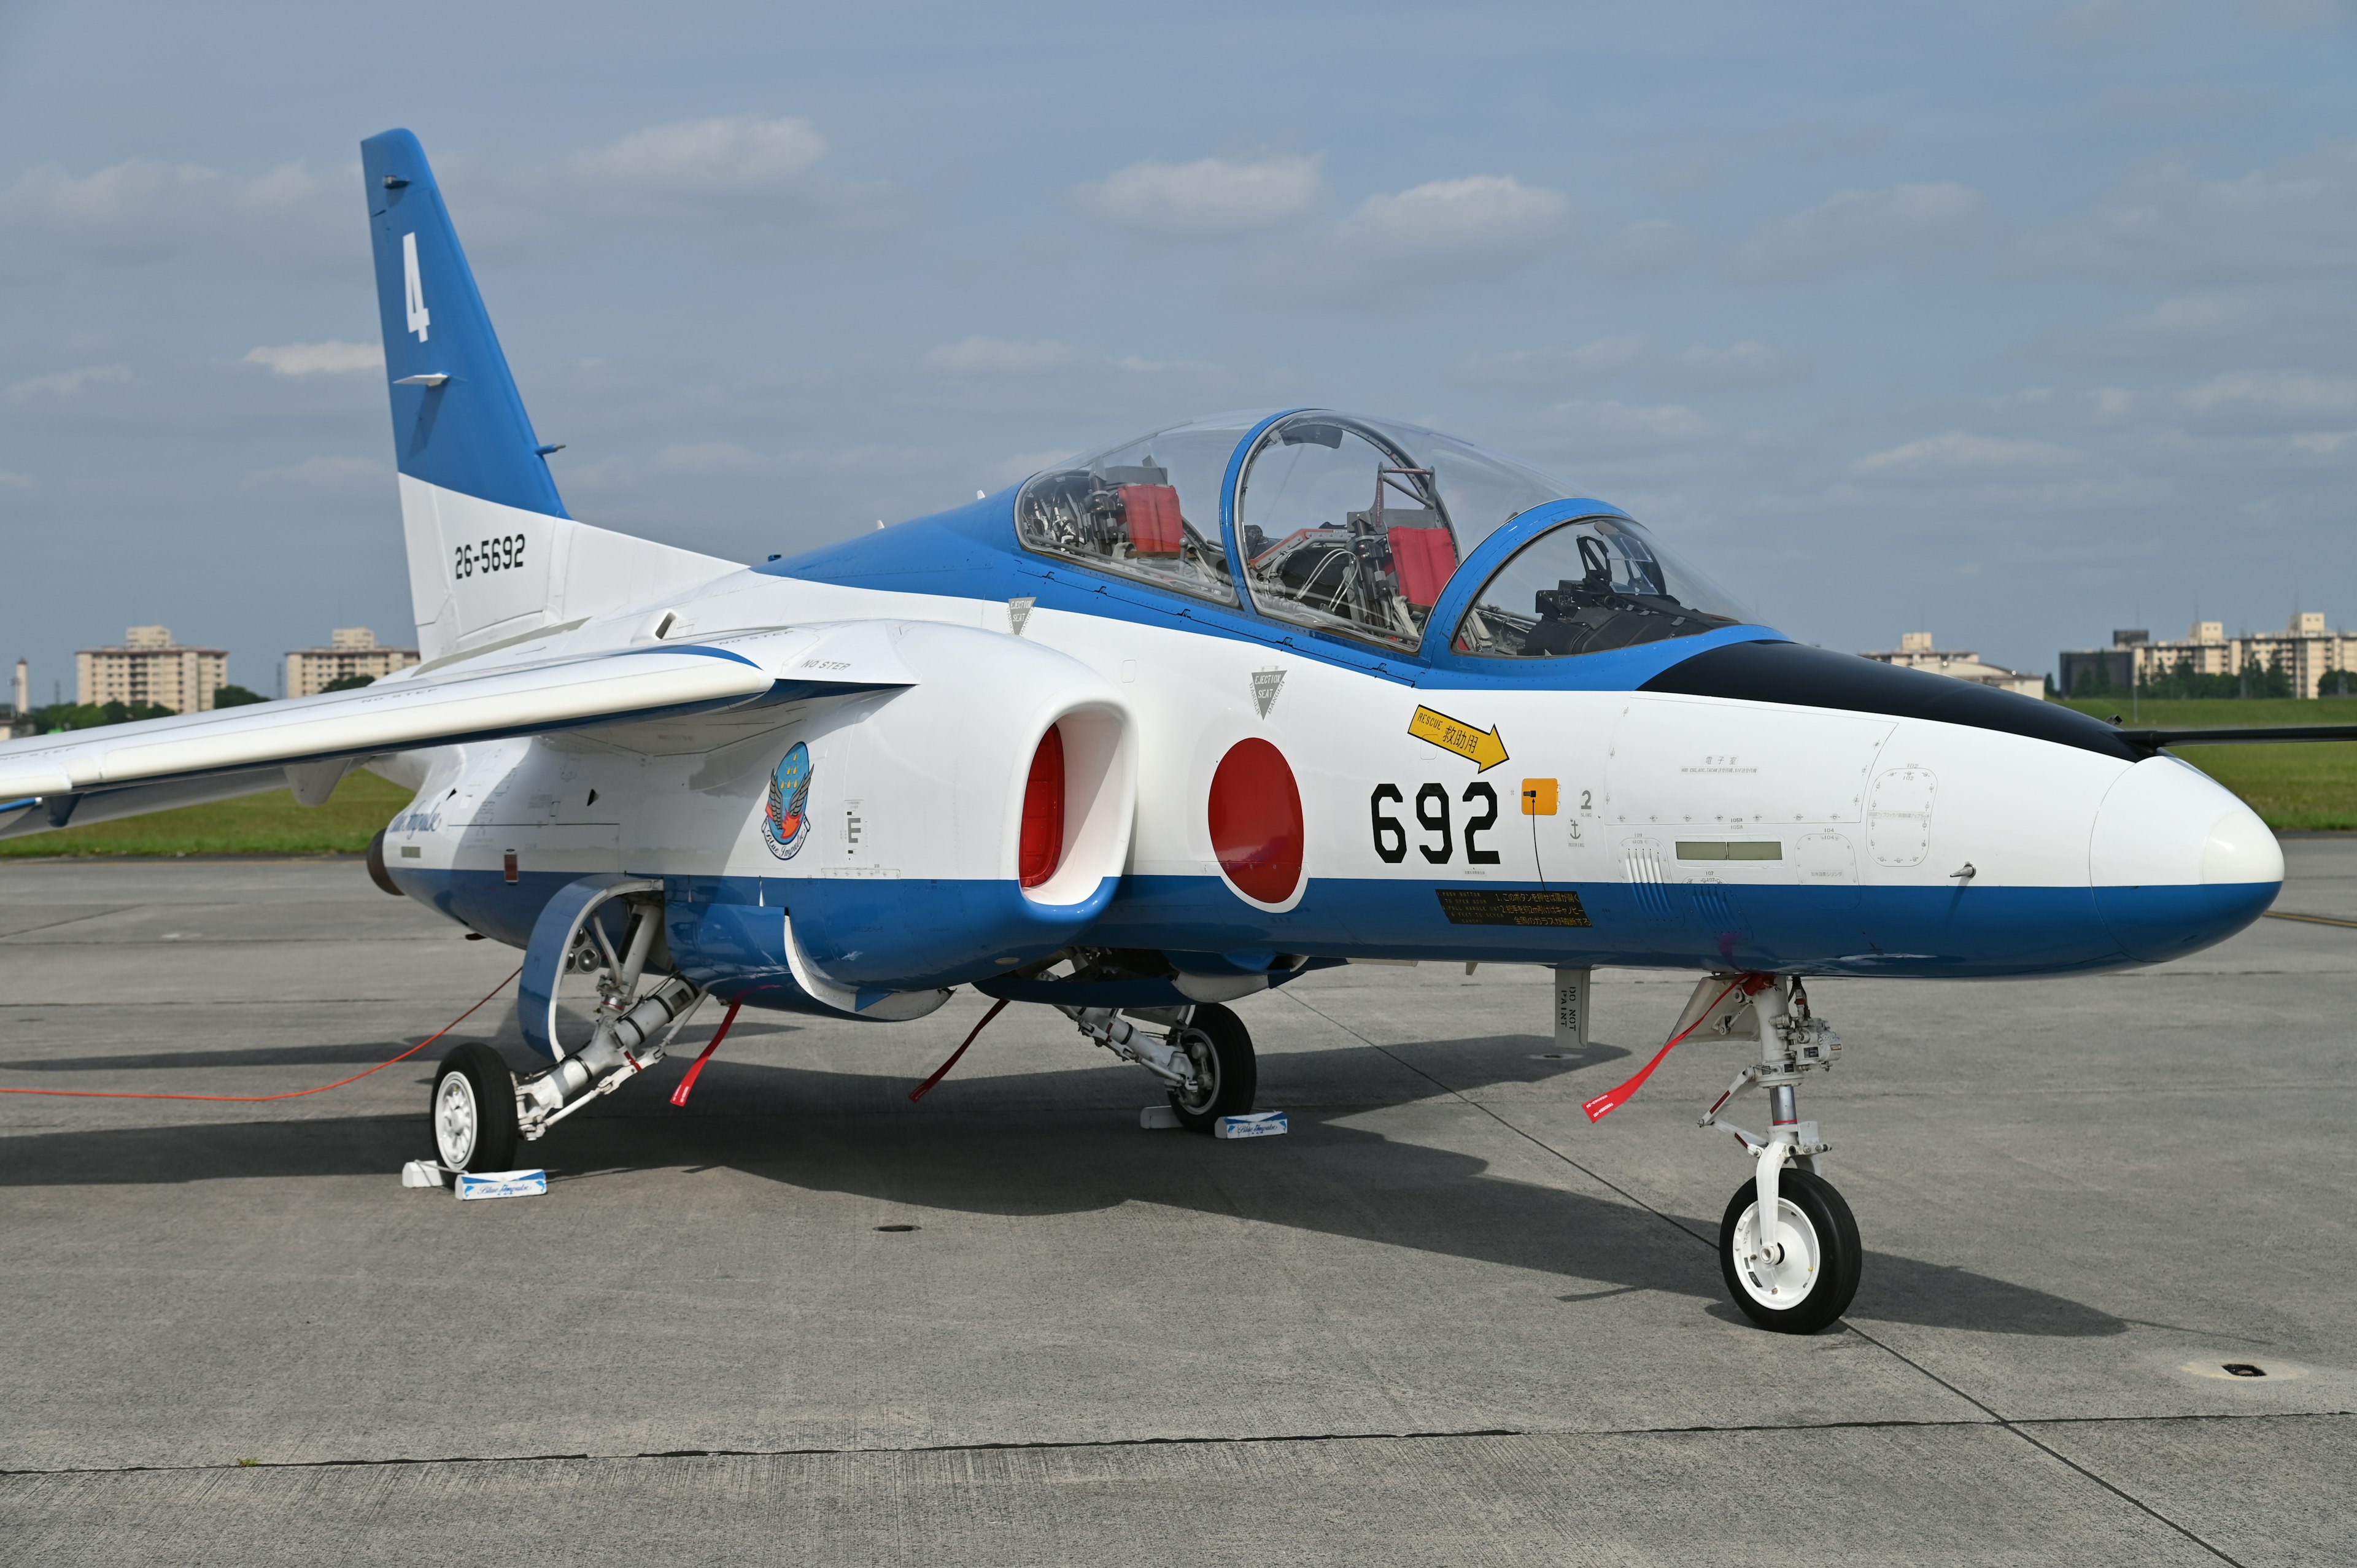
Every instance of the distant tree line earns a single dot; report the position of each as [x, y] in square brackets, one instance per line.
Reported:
[58, 716]
[2181, 679]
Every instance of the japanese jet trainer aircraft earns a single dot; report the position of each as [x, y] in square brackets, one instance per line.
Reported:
[1177, 722]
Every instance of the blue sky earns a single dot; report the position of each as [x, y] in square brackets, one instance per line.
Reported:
[2013, 322]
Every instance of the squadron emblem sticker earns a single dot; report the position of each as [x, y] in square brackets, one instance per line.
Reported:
[787, 823]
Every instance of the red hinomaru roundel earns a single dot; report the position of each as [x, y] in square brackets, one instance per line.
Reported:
[1255, 818]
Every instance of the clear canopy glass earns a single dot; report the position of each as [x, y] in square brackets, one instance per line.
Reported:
[1147, 509]
[1355, 525]
[1586, 587]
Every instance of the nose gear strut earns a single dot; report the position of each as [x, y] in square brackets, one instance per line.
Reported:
[1787, 1243]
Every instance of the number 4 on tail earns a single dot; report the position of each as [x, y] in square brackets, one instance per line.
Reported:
[418, 319]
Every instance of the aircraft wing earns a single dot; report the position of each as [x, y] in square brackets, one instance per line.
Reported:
[193, 757]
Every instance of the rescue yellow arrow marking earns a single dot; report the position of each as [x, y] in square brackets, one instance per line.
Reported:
[1455, 735]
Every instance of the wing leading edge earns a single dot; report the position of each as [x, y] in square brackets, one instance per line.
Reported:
[195, 756]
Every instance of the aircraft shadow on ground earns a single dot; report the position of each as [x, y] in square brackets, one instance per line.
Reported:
[1049, 1143]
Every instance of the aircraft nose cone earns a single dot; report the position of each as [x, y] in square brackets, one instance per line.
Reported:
[2177, 861]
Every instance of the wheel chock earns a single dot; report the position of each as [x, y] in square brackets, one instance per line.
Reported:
[1157, 1118]
[502, 1184]
[1255, 1124]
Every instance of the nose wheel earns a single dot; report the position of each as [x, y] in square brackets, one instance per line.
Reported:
[1798, 1274]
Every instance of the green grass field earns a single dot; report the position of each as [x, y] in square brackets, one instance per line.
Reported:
[252, 824]
[2311, 786]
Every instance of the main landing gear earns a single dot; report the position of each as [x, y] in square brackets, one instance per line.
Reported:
[633, 1008]
[1204, 1054]
[1788, 1246]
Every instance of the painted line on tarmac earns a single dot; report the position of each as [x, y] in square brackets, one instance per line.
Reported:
[1732, 1429]
[2310, 920]
[1995, 1417]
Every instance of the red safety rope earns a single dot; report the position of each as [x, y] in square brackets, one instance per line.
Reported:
[943, 1071]
[1611, 1100]
[679, 1095]
[291, 1094]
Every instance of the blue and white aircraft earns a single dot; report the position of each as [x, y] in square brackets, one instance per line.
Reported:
[1175, 722]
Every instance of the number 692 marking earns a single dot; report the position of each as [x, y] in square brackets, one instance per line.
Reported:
[1432, 815]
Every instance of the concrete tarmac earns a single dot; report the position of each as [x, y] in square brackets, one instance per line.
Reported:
[1444, 1321]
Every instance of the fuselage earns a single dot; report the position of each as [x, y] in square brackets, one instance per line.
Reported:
[1603, 815]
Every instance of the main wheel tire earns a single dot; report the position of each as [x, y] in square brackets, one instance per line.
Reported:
[1817, 1277]
[1227, 1075]
[473, 1111]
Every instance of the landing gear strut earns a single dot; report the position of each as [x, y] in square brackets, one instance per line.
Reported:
[1203, 1058]
[633, 1005]
[1788, 1245]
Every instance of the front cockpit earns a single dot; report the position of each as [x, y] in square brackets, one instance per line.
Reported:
[1359, 529]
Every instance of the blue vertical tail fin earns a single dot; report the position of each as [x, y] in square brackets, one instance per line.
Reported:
[493, 555]
[457, 421]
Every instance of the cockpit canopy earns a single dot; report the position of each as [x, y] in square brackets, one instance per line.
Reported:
[1355, 527]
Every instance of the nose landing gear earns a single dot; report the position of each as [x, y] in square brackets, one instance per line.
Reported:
[1788, 1245]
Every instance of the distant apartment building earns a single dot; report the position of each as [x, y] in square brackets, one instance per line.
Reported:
[1915, 652]
[150, 668]
[2314, 658]
[352, 652]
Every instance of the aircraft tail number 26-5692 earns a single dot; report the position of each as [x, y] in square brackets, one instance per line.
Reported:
[1168, 724]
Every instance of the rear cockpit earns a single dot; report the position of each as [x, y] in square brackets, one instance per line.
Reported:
[1357, 528]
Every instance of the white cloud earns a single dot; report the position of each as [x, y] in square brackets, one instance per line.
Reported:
[2281, 324]
[739, 172]
[1002, 357]
[346, 475]
[1648, 245]
[1747, 360]
[60, 385]
[1961, 454]
[1532, 366]
[1207, 197]
[1477, 227]
[736, 171]
[10, 480]
[2171, 103]
[143, 210]
[2298, 16]
[1612, 424]
[1865, 225]
[1481, 221]
[2275, 400]
[2167, 220]
[741, 155]
[2106, 27]
[315, 359]
[708, 458]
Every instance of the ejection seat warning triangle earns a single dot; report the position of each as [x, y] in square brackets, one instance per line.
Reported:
[1457, 735]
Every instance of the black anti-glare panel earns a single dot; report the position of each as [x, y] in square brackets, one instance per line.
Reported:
[1820, 678]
